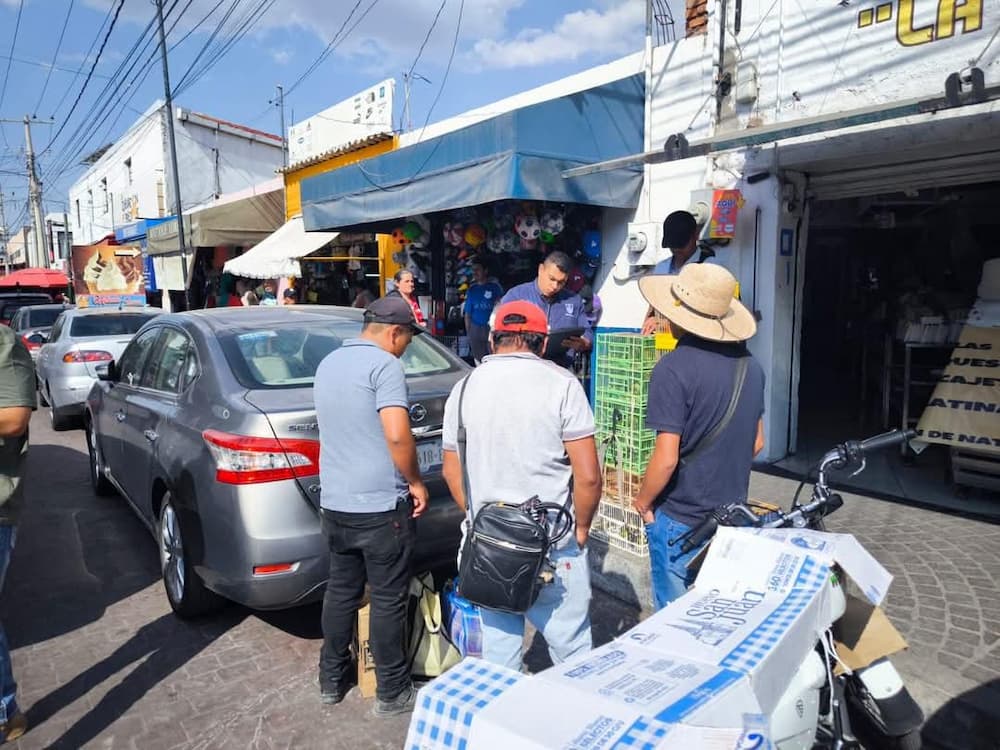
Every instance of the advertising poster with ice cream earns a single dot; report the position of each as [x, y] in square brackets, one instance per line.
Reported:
[108, 274]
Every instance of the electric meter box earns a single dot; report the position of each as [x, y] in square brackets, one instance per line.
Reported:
[643, 244]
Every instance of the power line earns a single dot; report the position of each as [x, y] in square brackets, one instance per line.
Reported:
[83, 64]
[334, 42]
[426, 38]
[47, 66]
[55, 56]
[6, 75]
[86, 81]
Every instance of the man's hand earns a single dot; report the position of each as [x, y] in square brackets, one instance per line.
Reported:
[644, 510]
[649, 326]
[420, 497]
[576, 343]
[582, 535]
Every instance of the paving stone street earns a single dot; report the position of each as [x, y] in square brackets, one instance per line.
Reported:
[102, 662]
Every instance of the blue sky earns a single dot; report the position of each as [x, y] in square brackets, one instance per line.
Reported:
[504, 46]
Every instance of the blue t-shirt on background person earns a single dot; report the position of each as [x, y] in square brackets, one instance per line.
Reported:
[480, 301]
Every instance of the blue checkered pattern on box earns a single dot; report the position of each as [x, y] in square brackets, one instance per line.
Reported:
[749, 653]
[644, 734]
[446, 707]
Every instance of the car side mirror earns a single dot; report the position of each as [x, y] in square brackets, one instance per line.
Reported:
[107, 371]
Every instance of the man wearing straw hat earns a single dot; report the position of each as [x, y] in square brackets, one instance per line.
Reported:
[706, 402]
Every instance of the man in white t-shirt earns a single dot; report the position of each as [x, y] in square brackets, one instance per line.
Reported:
[530, 431]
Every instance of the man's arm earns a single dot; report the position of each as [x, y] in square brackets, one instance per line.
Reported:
[586, 483]
[14, 421]
[403, 450]
[451, 470]
[758, 443]
[659, 472]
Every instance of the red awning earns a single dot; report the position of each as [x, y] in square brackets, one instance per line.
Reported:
[47, 278]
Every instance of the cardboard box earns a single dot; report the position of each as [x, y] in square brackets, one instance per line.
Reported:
[706, 671]
[366, 662]
[447, 707]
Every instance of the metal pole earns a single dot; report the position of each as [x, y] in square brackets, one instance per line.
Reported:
[284, 140]
[35, 197]
[3, 236]
[67, 254]
[181, 241]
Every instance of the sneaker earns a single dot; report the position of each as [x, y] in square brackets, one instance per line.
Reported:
[331, 695]
[401, 704]
[13, 728]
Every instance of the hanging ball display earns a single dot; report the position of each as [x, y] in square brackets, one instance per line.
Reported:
[475, 235]
[454, 233]
[509, 243]
[527, 244]
[553, 223]
[412, 231]
[495, 244]
[547, 237]
[399, 237]
[527, 227]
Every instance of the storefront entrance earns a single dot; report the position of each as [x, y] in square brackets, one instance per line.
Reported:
[889, 279]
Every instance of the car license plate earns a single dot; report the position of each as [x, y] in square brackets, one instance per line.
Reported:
[429, 455]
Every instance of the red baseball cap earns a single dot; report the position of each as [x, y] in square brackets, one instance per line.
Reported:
[520, 316]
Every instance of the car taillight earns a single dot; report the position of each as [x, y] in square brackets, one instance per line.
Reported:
[251, 460]
[31, 342]
[87, 355]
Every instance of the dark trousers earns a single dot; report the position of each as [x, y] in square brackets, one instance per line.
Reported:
[372, 547]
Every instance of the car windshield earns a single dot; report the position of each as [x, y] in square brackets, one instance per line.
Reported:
[125, 324]
[286, 356]
[11, 306]
[43, 317]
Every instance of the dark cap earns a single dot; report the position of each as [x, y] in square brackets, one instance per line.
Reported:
[288, 292]
[392, 310]
[678, 228]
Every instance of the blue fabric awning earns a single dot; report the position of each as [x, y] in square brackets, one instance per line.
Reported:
[517, 155]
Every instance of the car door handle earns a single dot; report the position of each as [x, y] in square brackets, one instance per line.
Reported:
[120, 416]
[150, 435]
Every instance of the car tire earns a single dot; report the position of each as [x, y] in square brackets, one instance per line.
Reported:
[101, 484]
[58, 420]
[185, 590]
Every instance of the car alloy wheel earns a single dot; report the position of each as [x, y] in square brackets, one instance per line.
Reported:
[102, 486]
[185, 590]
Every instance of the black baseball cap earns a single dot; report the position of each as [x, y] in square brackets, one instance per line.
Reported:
[678, 228]
[392, 310]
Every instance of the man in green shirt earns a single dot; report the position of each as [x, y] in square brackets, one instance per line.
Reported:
[17, 401]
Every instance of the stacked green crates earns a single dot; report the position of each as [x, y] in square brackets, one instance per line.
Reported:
[625, 362]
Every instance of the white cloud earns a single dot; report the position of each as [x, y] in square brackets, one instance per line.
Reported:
[617, 30]
[281, 56]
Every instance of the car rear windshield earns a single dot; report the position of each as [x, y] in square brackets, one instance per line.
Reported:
[10, 306]
[43, 317]
[125, 324]
[287, 356]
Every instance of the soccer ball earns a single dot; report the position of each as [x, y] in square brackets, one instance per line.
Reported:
[527, 227]
[553, 223]
[399, 237]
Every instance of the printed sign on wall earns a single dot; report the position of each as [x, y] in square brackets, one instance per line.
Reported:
[963, 409]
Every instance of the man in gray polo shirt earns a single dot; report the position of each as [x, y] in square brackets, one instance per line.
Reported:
[530, 431]
[372, 491]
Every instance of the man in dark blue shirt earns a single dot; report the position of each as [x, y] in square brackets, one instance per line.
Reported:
[689, 395]
[482, 297]
[563, 308]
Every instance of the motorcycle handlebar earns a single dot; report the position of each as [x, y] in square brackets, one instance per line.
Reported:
[886, 440]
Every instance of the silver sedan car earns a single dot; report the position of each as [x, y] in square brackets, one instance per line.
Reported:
[206, 425]
[81, 339]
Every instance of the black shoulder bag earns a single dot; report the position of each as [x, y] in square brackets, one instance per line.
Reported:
[504, 558]
[709, 439]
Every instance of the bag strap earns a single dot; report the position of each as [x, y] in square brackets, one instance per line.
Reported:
[462, 447]
[709, 439]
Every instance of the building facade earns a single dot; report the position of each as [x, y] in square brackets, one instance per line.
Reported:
[131, 179]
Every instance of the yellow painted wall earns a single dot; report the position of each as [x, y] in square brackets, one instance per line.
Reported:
[293, 180]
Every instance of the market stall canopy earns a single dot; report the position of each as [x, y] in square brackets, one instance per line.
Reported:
[278, 254]
[517, 155]
[47, 278]
[241, 222]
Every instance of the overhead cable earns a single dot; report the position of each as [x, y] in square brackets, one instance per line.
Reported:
[55, 56]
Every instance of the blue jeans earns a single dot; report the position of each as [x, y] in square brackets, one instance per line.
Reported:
[668, 566]
[561, 613]
[8, 688]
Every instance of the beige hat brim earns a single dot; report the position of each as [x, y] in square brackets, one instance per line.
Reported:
[738, 324]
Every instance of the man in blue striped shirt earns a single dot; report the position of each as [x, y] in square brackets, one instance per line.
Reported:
[563, 309]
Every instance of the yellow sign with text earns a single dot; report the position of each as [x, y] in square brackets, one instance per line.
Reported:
[953, 16]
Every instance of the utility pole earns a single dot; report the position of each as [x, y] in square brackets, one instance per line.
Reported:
[181, 241]
[35, 201]
[3, 236]
[408, 78]
[284, 140]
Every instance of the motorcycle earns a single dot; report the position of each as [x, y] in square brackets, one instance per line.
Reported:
[864, 708]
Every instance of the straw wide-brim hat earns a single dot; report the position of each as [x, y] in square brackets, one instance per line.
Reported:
[701, 300]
